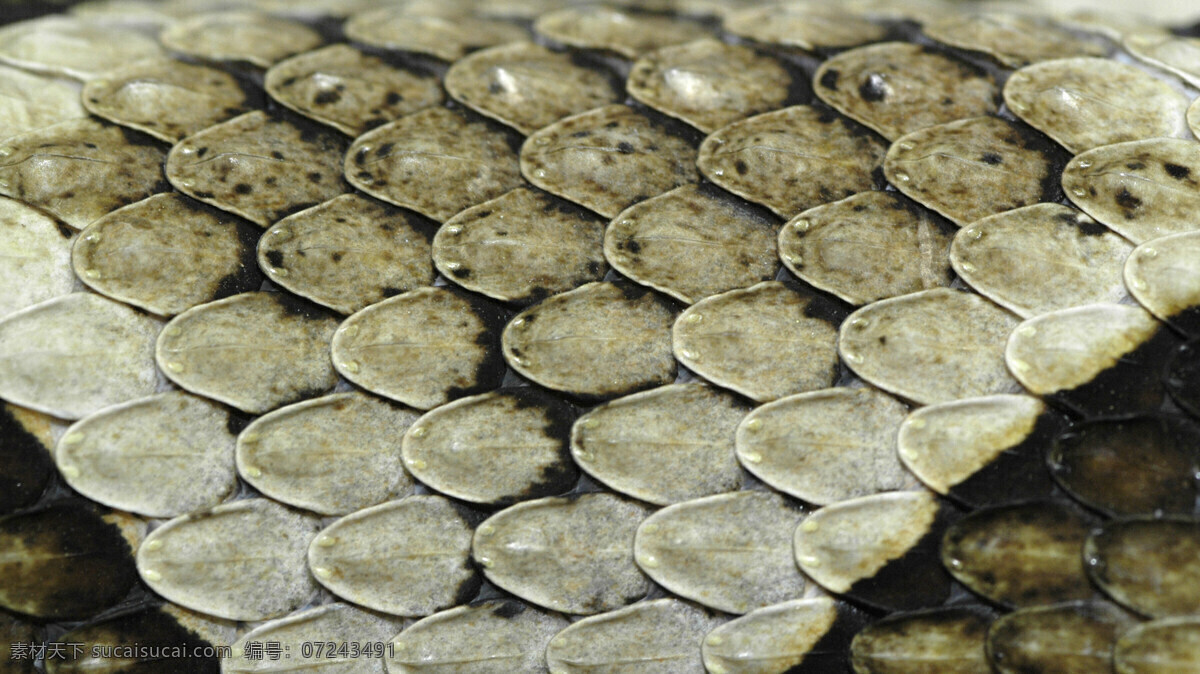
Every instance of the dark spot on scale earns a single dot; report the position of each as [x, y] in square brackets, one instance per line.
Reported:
[1090, 228]
[392, 98]
[90, 146]
[1128, 202]
[63, 230]
[243, 188]
[581, 134]
[1135, 166]
[461, 272]
[594, 267]
[295, 306]
[389, 291]
[327, 97]
[624, 147]
[741, 167]
[202, 194]
[365, 176]
[1177, 172]
[882, 340]
[385, 150]
[992, 158]
[270, 181]
[315, 177]
[830, 79]
[947, 101]
[277, 154]
[508, 609]
[633, 246]
[873, 89]
[859, 208]
[288, 82]
[336, 256]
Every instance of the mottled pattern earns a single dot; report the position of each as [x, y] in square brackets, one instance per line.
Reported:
[1148, 564]
[349, 252]
[528, 87]
[261, 166]
[1157, 646]
[407, 557]
[436, 162]
[166, 98]
[255, 351]
[81, 169]
[688, 430]
[1072, 638]
[609, 158]
[621, 330]
[335, 623]
[868, 247]
[792, 159]
[350, 90]
[332, 455]
[976, 167]
[167, 254]
[521, 247]
[693, 242]
[1142, 189]
[1041, 258]
[955, 638]
[764, 342]
[1087, 102]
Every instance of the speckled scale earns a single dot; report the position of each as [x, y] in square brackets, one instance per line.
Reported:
[1149, 564]
[1013, 39]
[408, 557]
[868, 247]
[896, 88]
[629, 34]
[349, 89]
[730, 552]
[521, 246]
[252, 37]
[930, 347]
[166, 98]
[242, 560]
[573, 554]
[661, 636]
[1163, 275]
[349, 252]
[446, 37]
[709, 84]
[496, 448]
[609, 158]
[621, 329]
[75, 47]
[1159, 646]
[1072, 638]
[528, 86]
[75, 354]
[975, 167]
[437, 162]
[160, 456]
[423, 348]
[81, 169]
[40, 247]
[1142, 189]
[693, 242]
[299, 633]
[167, 254]
[767, 341]
[34, 101]
[690, 428]
[1041, 258]
[332, 455]
[255, 351]
[1084, 103]
[792, 159]
[261, 166]
[811, 26]
[467, 638]
[950, 640]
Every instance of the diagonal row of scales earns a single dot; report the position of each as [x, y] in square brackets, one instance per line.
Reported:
[505, 336]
